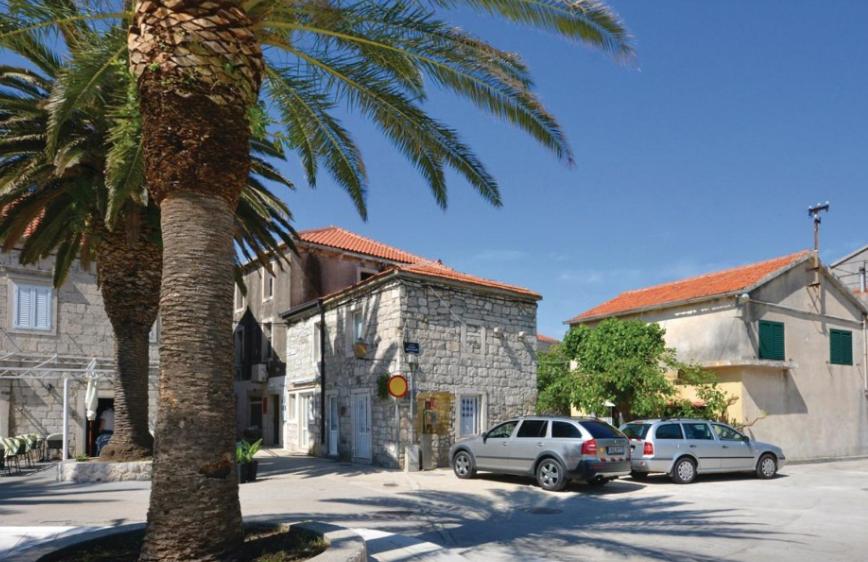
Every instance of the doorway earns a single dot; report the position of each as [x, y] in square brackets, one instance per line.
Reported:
[361, 422]
[305, 418]
[333, 424]
[276, 434]
[104, 418]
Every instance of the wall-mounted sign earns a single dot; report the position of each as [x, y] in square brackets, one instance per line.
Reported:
[398, 386]
[412, 347]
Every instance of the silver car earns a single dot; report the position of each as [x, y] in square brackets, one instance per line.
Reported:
[553, 449]
[684, 448]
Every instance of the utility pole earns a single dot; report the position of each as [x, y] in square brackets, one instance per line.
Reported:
[814, 213]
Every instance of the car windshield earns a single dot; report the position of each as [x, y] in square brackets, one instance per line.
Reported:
[601, 430]
[636, 430]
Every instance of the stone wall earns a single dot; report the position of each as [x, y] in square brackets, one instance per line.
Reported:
[80, 330]
[472, 342]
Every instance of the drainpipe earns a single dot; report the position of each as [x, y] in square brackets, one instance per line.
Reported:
[865, 350]
[322, 372]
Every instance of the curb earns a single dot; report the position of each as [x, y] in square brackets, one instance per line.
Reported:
[344, 545]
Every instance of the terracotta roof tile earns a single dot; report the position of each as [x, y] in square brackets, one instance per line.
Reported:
[547, 339]
[341, 239]
[436, 269]
[702, 286]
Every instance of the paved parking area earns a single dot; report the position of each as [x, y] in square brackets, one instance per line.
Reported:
[813, 511]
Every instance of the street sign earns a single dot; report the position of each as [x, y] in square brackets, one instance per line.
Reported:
[412, 347]
[398, 386]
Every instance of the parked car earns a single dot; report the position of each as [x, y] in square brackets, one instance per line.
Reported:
[685, 448]
[553, 449]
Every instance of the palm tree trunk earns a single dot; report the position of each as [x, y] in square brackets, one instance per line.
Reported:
[198, 68]
[129, 268]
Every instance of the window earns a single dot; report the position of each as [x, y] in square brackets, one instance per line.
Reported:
[771, 340]
[726, 433]
[840, 347]
[363, 273]
[601, 430]
[32, 307]
[564, 430]
[636, 430]
[267, 284]
[470, 415]
[669, 431]
[317, 343]
[698, 431]
[533, 429]
[290, 407]
[358, 326]
[503, 431]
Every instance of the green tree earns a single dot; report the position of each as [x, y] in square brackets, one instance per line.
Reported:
[553, 381]
[623, 362]
[86, 199]
[200, 67]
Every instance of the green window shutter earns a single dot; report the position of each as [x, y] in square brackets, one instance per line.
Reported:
[771, 340]
[840, 347]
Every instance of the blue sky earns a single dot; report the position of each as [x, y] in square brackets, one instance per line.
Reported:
[704, 154]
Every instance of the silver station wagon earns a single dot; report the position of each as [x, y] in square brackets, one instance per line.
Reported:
[553, 449]
[684, 448]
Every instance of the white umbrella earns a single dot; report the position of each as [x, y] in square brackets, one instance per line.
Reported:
[90, 398]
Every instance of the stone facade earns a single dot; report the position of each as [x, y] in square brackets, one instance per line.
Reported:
[79, 331]
[474, 343]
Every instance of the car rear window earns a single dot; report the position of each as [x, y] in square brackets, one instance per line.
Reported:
[601, 430]
[532, 428]
[669, 431]
[636, 430]
[565, 430]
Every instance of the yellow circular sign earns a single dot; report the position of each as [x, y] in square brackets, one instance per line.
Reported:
[398, 386]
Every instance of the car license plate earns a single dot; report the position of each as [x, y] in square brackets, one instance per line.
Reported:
[615, 450]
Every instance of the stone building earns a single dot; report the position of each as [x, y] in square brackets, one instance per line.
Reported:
[326, 260]
[466, 345]
[786, 339]
[49, 334]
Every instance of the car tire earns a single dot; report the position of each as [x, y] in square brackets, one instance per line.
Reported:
[551, 475]
[641, 476]
[463, 465]
[767, 466]
[684, 471]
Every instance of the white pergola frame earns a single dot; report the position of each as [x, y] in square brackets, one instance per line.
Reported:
[53, 367]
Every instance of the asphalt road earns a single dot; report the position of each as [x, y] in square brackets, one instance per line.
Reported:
[812, 511]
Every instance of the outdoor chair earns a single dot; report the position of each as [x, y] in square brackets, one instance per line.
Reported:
[23, 449]
[26, 448]
[10, 453]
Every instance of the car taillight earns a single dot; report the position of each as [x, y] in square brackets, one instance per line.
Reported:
[589, 447]
[648, 449]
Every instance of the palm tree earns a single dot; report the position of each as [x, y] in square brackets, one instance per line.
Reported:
[88, 201]
[200, 67]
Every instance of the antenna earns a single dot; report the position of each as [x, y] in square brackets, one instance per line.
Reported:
[814, 213]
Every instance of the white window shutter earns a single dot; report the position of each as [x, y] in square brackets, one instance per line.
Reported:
[24, 306]
[43, 308]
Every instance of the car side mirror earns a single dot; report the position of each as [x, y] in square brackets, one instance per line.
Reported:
[745, 438]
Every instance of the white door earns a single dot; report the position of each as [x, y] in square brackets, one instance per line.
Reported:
[333, 425]
[305, 419]
[361, 420]
[470, 415]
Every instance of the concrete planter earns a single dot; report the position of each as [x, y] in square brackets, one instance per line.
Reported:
[344, 545]
[99, 471]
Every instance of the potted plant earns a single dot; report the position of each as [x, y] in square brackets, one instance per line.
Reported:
[247, 465]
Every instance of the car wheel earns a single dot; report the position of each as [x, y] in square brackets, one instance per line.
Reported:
[767, 466]
[462, 465]
[684, 471]
[639, 475]
[551, 475]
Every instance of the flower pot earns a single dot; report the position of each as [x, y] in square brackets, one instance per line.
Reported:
[247, 471]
